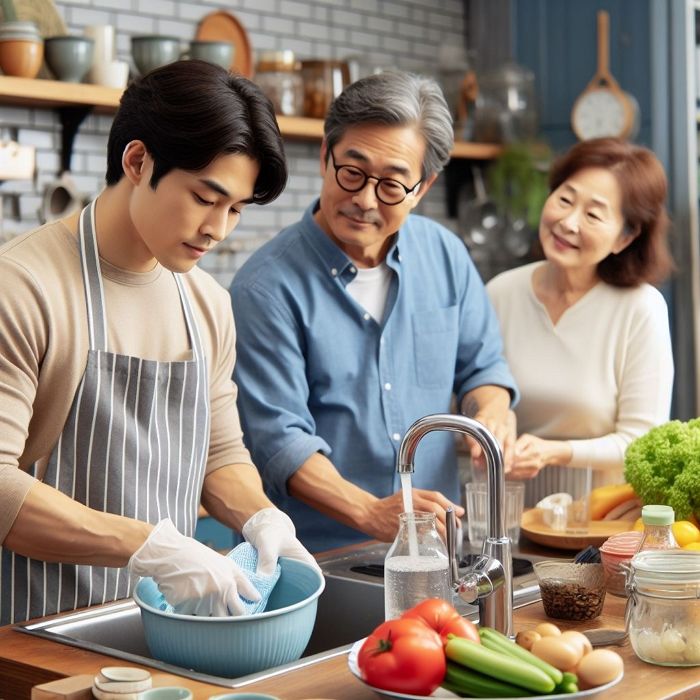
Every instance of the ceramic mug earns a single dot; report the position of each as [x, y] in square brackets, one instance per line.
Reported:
[103, 36]
[114, 74]
[218, 52]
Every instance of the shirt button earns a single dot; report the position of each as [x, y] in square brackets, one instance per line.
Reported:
[399, 258]
[334, 272]
[366, 316]
[396, 437]
[387, 386]
[353, 269]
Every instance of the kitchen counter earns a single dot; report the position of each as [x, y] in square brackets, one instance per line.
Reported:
[26, 661]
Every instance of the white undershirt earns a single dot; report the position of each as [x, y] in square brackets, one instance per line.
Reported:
[370, 289]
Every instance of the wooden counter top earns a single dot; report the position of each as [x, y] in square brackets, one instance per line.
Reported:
[26, 661]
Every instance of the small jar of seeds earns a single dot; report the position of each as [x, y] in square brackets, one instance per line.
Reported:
[571, 591]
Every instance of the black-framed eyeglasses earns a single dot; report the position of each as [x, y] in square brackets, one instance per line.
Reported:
[387, 190]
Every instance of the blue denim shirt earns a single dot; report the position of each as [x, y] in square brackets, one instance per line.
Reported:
[316, 373]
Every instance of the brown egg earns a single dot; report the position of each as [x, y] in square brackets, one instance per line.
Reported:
[598, 667]
[547, 629]
[527, 638]
[574, 637]
[558, 653]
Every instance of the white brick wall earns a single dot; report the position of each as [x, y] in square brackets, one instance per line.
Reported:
[403, 33]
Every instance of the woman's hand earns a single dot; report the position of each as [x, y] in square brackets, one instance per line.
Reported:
[532, 453]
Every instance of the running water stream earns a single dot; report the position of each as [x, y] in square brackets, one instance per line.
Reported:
[408, 508]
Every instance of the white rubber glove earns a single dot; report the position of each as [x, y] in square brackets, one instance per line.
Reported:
[272, 533]
[194, 579]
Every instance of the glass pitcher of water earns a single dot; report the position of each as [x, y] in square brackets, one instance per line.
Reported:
[416, 565]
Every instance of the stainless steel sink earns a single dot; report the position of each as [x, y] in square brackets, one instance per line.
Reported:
[350, 607]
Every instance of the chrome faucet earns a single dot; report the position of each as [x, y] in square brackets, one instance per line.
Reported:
[490, 579]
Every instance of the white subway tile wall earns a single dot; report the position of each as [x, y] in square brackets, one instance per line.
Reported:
[407, 34]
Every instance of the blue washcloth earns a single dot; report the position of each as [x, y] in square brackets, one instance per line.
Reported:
[246, 557]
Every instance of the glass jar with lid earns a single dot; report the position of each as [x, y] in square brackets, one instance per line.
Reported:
[278, 73]
[658, 534]
[664, 606]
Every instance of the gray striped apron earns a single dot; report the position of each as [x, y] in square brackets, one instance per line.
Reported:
[135, 443]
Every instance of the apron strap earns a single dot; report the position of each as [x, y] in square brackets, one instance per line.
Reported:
[190, 321]
[92, 279]
[94, 289]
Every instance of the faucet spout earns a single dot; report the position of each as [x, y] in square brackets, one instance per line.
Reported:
[496, 606]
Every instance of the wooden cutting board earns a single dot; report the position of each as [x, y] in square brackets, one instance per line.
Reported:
[535, 529]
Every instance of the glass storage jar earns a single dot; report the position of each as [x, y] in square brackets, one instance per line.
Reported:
[416, 565]
[505, 105]
[278, 73]
[664, 607]
[323, 82]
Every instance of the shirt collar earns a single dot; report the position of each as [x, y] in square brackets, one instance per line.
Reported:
[334, 259]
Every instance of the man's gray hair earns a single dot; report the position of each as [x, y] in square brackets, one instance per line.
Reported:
[396, 98]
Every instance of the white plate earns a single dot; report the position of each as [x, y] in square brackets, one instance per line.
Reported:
[442, 693]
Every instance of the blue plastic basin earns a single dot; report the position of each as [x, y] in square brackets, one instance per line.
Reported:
[236, 646]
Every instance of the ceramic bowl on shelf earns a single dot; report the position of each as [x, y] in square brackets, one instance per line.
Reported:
[21, 57]
[69, 57]
[153, 51]
[219, 52]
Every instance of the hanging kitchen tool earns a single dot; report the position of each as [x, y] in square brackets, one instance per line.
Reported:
[479, 220]
[61, 197]
[603, 108]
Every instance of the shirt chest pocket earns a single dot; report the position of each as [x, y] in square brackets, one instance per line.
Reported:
[435, 338]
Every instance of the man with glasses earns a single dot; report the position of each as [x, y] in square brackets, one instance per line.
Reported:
[361, 318]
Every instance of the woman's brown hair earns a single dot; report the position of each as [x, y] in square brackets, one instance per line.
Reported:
[643, 186]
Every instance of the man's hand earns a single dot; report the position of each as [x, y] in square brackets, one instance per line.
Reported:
[382, 520]
[490, 405]
[194, 579]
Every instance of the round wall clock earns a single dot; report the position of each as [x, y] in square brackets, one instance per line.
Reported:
[603, 109]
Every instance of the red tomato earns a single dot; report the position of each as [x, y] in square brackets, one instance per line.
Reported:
[440, 616]
[404, 656]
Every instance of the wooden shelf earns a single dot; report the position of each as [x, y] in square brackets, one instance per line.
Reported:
[28, 92]
[312, 129]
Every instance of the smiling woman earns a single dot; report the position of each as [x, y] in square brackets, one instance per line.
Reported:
[585, 332]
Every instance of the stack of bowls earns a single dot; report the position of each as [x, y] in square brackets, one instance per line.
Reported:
[121, 683]
[21, 49]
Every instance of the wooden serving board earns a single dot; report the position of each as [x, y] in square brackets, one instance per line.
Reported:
[535, 529]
